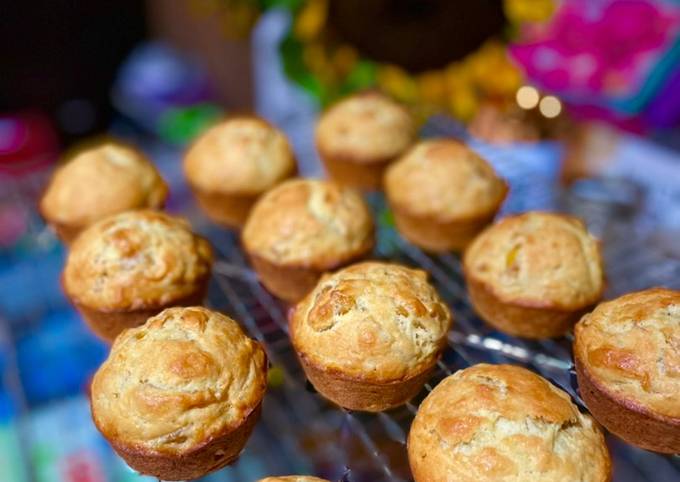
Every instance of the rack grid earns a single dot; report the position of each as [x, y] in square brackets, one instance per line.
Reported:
[312, 435]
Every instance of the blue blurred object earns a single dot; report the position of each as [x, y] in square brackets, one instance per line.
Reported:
[57, 360]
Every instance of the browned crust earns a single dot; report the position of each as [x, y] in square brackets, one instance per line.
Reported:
[436, 235]
[229, 210]
[628, 420]
[520, 319]
[107, 325]
[291, 282]
[66, 233]
[367, 396]
[352, 172]
[209, 457]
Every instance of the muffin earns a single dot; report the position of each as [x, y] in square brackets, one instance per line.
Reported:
[442, 194]
[303, 228]
[369, 335]
[235, 161]
[535, 274]
[178, 397]
[100, 181]
[360, 135]
[130, 266]
[293, 478]
[504, 423]
[627, 354]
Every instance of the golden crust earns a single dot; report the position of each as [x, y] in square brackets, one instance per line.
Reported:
[106, 179]
[376, 322]
[309, 223]
[504, 423]
[186, 377]
[364, 128]
[136, 259]
[241, 155]
[293, 478]
[631, 348]
[445, 180]
[537, 260]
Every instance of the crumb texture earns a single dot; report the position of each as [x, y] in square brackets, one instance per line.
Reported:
[241, 155]
[539, 259]
[186, 376]
[376, 321]
[631, 346]
[504, 423]
[444, 179]
[310, 223]
[364, 128]
[134, 260]
[100, 181]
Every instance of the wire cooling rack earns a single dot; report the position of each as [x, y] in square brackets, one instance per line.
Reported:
[301, 432]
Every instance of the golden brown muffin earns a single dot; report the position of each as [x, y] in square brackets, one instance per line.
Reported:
[627, 354]
[293, 478]
[504, 423]
[130, 266]
[233, 163]
[442, 194]
[535, 274]
[369, 335]
[103, 180]
[360, 135]
[303, 228]
[178, 397]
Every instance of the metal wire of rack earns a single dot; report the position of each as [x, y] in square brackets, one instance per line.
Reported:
[318, 437]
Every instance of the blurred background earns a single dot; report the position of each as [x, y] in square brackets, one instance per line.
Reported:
[575, 102]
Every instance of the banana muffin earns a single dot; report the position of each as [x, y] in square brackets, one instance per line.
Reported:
[130, 266]
[179, 396]
[106, 179]
[233, 163]
[534, 274]
[369, 335]
[442, 194]
[504, 423]
[303, 228]
[360, 135]
[627, 354]
[293, 478]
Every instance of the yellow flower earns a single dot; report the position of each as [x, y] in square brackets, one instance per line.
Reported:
[463, 104]
[311, 19]
[432, 86]
[520, 11]
[397, 82]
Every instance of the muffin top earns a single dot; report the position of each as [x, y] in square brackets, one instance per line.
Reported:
[376, 321]
[103, 180]
[366, 127]
[241, 155]
[445, 179]
[293, 478]
[310, 223]
[136, 259]
[631, 347]
[185, 377]
[538, 259]
[504, 423]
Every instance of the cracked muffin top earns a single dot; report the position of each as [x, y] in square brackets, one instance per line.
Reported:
[134, 260]
[445, 179]
[630, 346]
[309, 223]
[538, 259]
[105, 179]
[364, 128]
[241, 155]
[185, 377]
[374, 321]
[504, 423]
